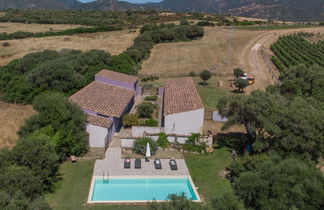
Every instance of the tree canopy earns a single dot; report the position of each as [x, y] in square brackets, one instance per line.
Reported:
[285, 184]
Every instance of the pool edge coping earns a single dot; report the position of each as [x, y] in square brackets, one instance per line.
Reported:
[141, 201]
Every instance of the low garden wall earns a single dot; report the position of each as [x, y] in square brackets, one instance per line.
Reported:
[139, 131]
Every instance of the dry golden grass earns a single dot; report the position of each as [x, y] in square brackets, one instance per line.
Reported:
[113, 42]
[13, 27]
[210, 51]
[12, 117]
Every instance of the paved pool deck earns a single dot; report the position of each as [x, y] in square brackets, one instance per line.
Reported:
[113, 165]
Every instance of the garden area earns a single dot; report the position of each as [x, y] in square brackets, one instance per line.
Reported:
[71, 192]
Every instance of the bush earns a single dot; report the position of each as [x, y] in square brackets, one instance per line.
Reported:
[151, 98]
[149, 123]
[150, 78]
[205, 23]
[130, 120]
[145, 109]
[5, 44]
[194, 144]
[192, 74]
[140, 146]
[163, 141]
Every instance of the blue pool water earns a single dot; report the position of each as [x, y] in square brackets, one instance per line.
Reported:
[140, 189]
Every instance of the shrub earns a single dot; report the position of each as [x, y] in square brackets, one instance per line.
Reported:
[194, 144]
[140, 146]
[151, 98]
[205, 75]
[163, 141]
[150, 78]
[205, 23]
[5, 44]
[148, 123]
[130, 120]
[145, 109]
[192, 74]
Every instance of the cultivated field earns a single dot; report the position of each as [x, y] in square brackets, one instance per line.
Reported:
[210, 51]
[113, 42]
[13, 27]
[12, 116]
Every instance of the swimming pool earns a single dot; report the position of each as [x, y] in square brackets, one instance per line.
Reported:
[140, 189]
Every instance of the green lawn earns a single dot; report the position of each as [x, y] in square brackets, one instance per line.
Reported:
[210, 93]
[72, 191]
[204, 172]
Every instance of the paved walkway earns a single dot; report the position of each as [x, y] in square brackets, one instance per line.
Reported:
[113, 165]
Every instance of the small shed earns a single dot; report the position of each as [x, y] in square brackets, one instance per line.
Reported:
[218, 118]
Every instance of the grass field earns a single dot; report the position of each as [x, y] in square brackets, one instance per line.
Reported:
[12, 116]
[113, 42]
[210, 51]
[13, 27]
[204, 172]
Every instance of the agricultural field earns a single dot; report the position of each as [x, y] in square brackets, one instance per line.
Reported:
[14, 27]
[113, 42]
[295, 49]
[211, 52]
[12, 117]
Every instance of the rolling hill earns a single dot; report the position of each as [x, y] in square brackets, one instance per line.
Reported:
[287, 10]
[39, 4]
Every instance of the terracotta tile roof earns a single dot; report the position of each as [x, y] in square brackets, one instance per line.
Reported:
[117, 76]
[181, 96]
[99, 121]
[104, 99]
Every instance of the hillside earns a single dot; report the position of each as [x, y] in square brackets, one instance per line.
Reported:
[286, 10]
[109, 5]
[292, 10]
[38, 4]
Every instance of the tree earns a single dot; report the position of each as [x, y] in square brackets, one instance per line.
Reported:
[65, 118]
[145, 109]
[39, 155]
[205, 75]
[285, 184]
[227, 201]
[270, 123]
[20, 178]
[241, 84]
[238, 73]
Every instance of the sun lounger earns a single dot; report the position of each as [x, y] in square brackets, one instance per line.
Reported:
[173, 165]
[127, 163]
[157, 164]
[138, 163]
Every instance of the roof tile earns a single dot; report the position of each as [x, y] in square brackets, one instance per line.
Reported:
[117, 76]
[99, 121]
[104, 99]
[181, 95]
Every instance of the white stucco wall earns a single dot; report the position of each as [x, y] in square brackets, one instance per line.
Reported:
[184, 123]
[97, 135]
